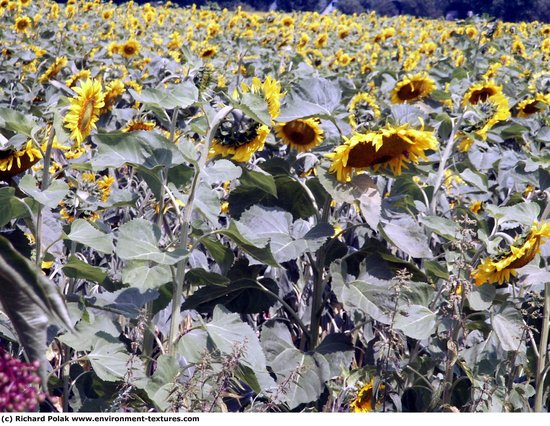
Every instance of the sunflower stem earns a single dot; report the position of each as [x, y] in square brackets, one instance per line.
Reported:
[543, 351]
[184, 239]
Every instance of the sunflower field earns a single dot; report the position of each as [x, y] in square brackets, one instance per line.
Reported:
[210, 210]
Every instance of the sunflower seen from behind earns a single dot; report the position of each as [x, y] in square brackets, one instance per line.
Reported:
[84, 110]
[363, 110]
[302, 134]
[15, 161]
[388, 148]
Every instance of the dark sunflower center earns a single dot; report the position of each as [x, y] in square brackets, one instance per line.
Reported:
[481, 95]
[129, 50]
[299, 133]
[236, 130]
[531, 108]
[411, 91]
[365, 155]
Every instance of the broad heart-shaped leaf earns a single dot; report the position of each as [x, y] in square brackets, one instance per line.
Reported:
[139, 240]
[416, 321]
[161, 384]
[313, 96]
[480, 298]
[111, 361]
[244, 296]
[254, 187]
[147, 149]
[221, 171]
[255, 107]
[76, 268]
[523, 213]
[15, 121]
[11, 207]
[263, 254]
[141, 275]
[408, 237]
[362, 190]
[227, 332]
[28, 298]
[84, 233]
[126, 301]
[88, 331]
[222, 254]
[441, 226]
[261, 226]
[183, 96]
[50, 197]
[200, 277]
[508, 326]
[208, 203]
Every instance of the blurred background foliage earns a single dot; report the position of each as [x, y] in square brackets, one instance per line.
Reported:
[516, 10]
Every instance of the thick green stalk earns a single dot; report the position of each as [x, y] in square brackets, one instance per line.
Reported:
[184, 233]
[543, 351]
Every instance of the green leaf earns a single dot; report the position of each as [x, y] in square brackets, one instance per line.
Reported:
[226, 331]
[15, 121]
[254, 106]
[406, 114]
[208, 203]
[110, 361]
[221, 171]
[479, 180]
[416, 321]
[263, 254]
[126, 301]
[11, 207]
[523, 213]
[159, 387]
[139, 240]
[365, 298]
[362, 190]
[244, 296]
[147, 149]
[441, 226]
[76, 268]
[222, 254]
[409, 237]
[263, 226]
[84, 233]
[200, 277]
[507, 323]
[141, 275]
[51, 197]
[29, 299]
[183, 96]
[254, 187]
[480, 298]
[314, 96]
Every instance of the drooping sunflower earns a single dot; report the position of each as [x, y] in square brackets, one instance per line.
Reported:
[364, 401]
[112, 92]
[301, 134]
[15, 161]
[412, 89]
[130, 48]
[532, 105]
[80, 75]
[238, 137]
[84, 110]
[139, 124]
[53, 70]
[363, 110]
[500, 269]
[391, 147]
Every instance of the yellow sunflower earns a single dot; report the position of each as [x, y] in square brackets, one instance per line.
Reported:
[238, 137]
[80, 75]
[138, 124]
[53, 70]
[502, 268]
[391, 147]
[112, 92]
[533, 105]
[302, 134]
[412, 89]
[481, 92]
[22, 24]
[364, 402]
[486, 114]
[270, 89]
[13, 162]
[130, 48]
[84, 110]
[363, 109]
[208, 51]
